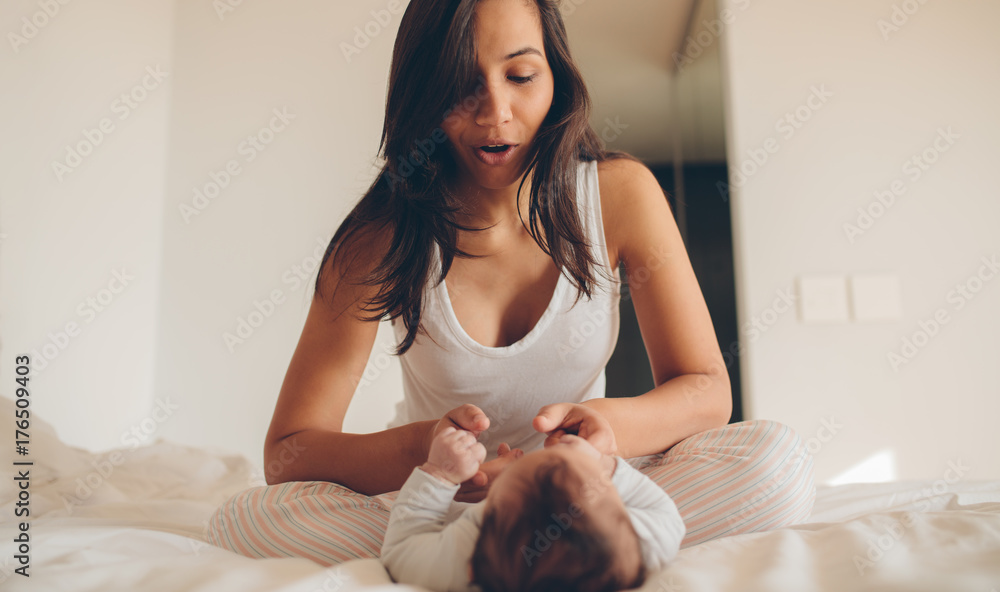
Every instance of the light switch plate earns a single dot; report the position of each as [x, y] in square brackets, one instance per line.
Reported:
[876, 297]
[823, 299]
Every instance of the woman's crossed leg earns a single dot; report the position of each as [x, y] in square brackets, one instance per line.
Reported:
[744, 477]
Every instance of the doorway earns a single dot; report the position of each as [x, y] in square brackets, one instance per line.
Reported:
[655, 77]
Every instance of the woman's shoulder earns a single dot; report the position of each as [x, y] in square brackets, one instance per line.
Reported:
[629, 192]
[359, 253]
[623, 173]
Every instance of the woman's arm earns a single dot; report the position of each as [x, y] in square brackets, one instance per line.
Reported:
[367, 463]
[305, 440]
[692, 391]
[656, 420]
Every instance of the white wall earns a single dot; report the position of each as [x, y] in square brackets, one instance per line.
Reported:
[66, 232]
[162, 337]
[62, 240]
[890, 97]
[278, 212]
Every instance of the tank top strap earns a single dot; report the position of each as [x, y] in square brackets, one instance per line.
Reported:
[592, 217]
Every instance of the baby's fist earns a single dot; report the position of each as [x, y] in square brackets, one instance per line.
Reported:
[455, 455]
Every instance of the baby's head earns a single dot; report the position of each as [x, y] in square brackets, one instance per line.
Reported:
[554, 521]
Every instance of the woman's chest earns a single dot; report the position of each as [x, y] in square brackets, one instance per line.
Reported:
[499, 299]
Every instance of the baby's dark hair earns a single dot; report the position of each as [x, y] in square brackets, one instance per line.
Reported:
[551, 545]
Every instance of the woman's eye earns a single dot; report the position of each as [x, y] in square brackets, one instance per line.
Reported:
[521, 79]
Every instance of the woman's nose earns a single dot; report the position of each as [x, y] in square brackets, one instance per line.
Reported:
[494, 108]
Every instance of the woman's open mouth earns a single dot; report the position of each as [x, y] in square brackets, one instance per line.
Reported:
[495, 154]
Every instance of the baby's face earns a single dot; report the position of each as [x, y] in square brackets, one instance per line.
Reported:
[590, 488]
[586, 474]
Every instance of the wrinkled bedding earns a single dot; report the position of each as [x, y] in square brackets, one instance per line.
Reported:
[134, 519]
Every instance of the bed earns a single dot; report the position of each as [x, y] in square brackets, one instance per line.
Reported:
[134, 519]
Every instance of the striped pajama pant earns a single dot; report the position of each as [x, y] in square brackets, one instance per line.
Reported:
[744, 477]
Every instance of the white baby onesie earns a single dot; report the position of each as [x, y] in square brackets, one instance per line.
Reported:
[430, 537]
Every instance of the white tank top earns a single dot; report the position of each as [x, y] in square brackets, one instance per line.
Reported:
[561, 359]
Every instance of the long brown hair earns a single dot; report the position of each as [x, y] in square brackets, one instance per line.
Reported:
[432, 78]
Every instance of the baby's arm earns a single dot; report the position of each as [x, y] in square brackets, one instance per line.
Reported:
[654, 515]
[419, 548]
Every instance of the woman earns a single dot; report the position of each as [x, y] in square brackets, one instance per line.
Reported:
[495, 182]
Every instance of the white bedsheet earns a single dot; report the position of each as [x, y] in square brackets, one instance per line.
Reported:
[140, 527]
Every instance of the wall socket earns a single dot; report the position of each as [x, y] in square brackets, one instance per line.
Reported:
[837, 299]
[823, 299]
[876, 297]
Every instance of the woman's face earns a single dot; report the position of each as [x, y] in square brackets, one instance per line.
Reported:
[510, 101]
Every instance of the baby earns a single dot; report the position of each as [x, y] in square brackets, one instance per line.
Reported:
[565, 517]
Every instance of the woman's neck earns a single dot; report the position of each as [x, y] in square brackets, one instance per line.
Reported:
[488, 207]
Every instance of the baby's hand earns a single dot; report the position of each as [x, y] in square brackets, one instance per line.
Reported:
[455, 455]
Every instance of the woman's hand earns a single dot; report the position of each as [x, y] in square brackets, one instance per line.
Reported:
[455, 455]
[572, 418]
[472, 491]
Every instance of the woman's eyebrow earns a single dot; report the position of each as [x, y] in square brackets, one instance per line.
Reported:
[524, 51]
